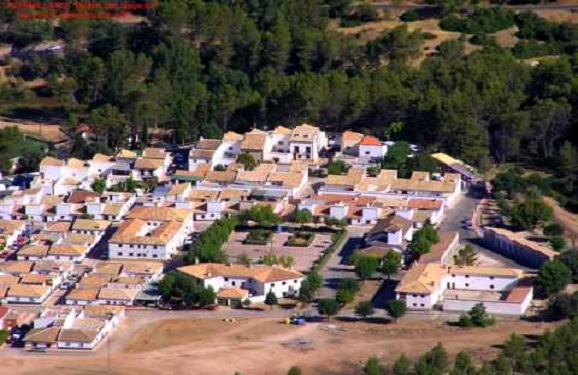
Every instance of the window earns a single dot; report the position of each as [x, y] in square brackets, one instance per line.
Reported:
[119, 245]
[131, 246]
[233, 283]
[120, 254]
[491, 277]
[272, 285]
[467, 284]
[131, 254]
[155, 256]
[414, 296]
[226, 279]
[491, 287]
[280, 143]
[421, 304]
[415, 304]
[283, 283]
[295, 281]
[467, 276]
[308, 150]
[155, 247]
[367, 152]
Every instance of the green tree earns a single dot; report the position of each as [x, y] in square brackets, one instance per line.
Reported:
[558, 243]
[463, 365]
[248, 161]
[261, 214]
[476, 317]
[328, 307]
[529, 213]
[373, 366]
[337, 167]
[391, 263]
[302, 216]
[271, 299]
[467, 256]
[396, 309]
[553, 276]
[294, 370]
[570, 260]
[567, 159]
[364, 309]
[402, 366]
[99, 185]
[553, 229]
[366, 266]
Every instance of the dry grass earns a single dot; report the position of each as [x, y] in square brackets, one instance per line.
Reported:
[559, 15]
[507, 37]
[266, 346]
[44, 132]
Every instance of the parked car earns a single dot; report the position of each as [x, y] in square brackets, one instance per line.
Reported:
[65, 285]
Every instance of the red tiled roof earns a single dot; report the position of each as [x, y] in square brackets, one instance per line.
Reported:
[425, 204]
[369, 140]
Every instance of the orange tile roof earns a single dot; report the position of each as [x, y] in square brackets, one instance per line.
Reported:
[369, 140]
[425, 204]
[263, 274]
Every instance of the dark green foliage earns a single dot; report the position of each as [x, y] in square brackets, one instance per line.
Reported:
[260, 214]
[248, 161]
[553, 229]
[302, 217]
[525, 49]
[373, 366]
[364, 309]
[553, 277]
[483, 21]
[294, 370]
[186, 290]
[476, 317]
[483, 40]
[564, 306]
[423, 239]
[532, 26]
[411, 16]
[466, 256]
[395, 308]
[391, 263]
[337, 167]
[531, 212]
[99, 185]
[271, 299]
[366, 266]
[558, 243]
[347, 290]
[363, 13]
[328, 307]
[570, 260]
[208, 247]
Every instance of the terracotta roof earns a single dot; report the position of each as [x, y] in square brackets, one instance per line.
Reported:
[420, 175]
[27, 290]
[79, 239]
[101, 158]
[35, 279]
[9, 279]
[425, 204]
[390, 224]
[178, 189]
[90, 225]
[231, 194]
[259, 174]
[102, 311]
[519, 238]
[75, 163]
[203, 195]
[486, 271]
[129, 229]
[17, 267]
[518, 294]
[33, 250]
[304, 133]
[126, 154]
[147, 163]
[159, 213]
[93, 280]
[289, 180]
[68, 181]
[282, 130]
[112, 208]
[262, 274]
[58, 226]
[108, 268]
[141, 268]
[11, 226]
[208, 144]
[201, 154]
[122, 294]
[82, 295]
[154, 153]
[43, 335]
[423, 278]
[199, 173]
[353, 137]
[78, 335]
[232, 136]
[254, 140]
[439, 249]
[369, 140]
[67, 250]
[81, 196]
[51, 162]
[233, 293]
[221, 176]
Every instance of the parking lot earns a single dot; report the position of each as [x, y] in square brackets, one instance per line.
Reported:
[304, 256]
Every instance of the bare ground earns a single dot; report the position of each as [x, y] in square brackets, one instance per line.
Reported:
[265, 346]
[45, 132]
[567, 219]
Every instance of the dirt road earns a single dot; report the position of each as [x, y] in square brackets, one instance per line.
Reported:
[567, 219]
[265, 346]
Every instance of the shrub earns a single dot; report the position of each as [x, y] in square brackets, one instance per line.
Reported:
[428, 36]
[483, 21]
[301, 239]
[410, 16]
[476, 317]
[526, 49]
[337, 167]
[553, 229]
[258, 237]
[483, 40]
[558, 243]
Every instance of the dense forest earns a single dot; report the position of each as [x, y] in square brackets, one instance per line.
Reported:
[202, 67]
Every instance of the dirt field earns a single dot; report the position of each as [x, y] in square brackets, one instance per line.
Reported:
[49, 133]
[265, 346]
[559, 15]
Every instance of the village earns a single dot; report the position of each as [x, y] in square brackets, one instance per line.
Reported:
[89, 240]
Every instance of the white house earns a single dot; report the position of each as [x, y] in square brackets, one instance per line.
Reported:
[394, 230]
[306, 141]
[28, 293]
[257, 280]
[151, 233]
[52, 169]
[204, 152]
[371, 150]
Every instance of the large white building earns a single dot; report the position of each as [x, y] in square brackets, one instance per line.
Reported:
[151, 233]
[253, 281]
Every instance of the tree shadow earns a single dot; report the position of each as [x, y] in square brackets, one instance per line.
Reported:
[386, 292]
